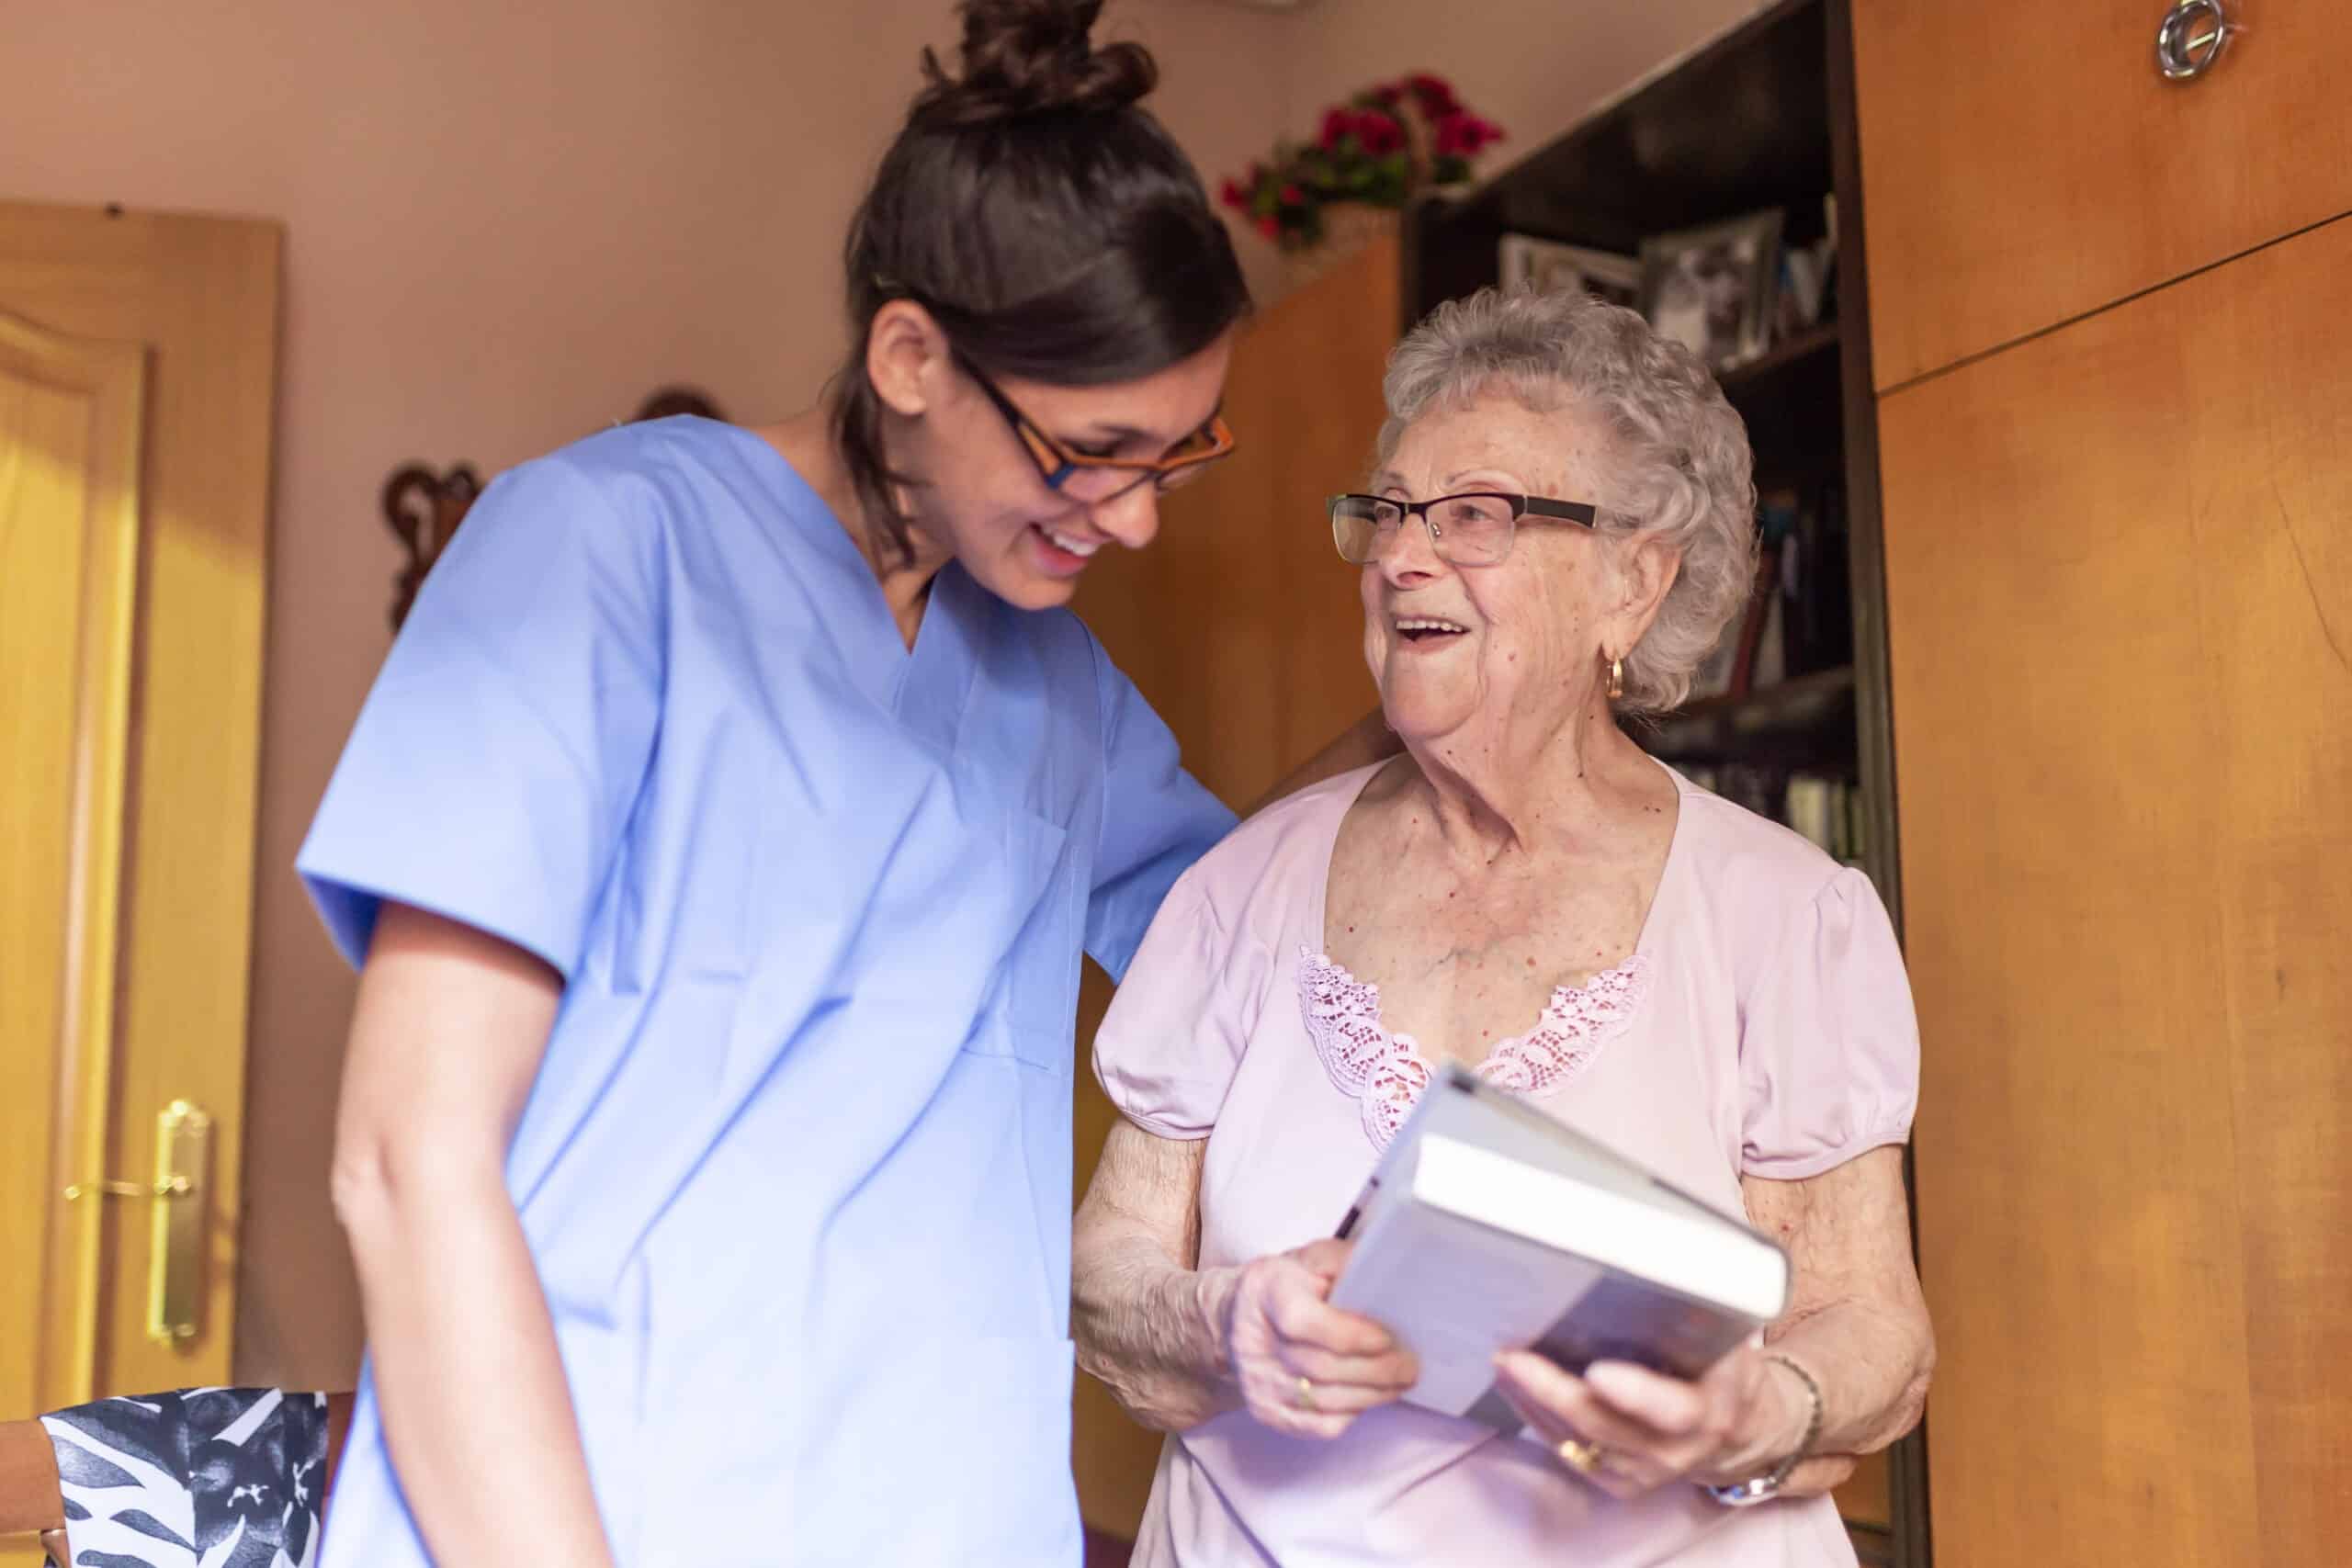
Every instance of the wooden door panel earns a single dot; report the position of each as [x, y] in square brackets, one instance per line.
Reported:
[71, 414]
[1334, 339]
[2023, 165]
[2120, 593]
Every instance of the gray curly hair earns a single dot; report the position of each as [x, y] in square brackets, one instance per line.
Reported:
[1684, 471]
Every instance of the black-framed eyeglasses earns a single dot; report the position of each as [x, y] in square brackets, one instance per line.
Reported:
[1085, 477]
[1473, 529]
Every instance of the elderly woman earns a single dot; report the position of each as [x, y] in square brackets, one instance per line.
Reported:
[1559, 530]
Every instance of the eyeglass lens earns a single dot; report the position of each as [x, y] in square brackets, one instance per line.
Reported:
[1467, 530]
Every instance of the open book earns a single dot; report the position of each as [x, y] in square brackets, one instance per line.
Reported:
[1488, 1225]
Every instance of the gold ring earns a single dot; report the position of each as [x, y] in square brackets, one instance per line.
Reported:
[1585, 1459]
[1306, 1397]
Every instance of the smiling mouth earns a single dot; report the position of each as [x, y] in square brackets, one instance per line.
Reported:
[1427, 628]
[1070, 543]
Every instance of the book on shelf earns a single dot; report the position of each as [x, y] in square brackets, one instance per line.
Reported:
[1797, 619]
[1828, 811]
[1488, 1225]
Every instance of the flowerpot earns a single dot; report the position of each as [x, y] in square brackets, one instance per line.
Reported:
[1348, 227]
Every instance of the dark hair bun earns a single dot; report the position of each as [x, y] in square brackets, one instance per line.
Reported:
[1029, 57]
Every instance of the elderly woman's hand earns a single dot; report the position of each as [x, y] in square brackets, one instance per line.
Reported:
[1302, 1365]
[1744, 1416]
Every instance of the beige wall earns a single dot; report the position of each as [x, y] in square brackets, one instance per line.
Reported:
[503, 232]
[501, 236]
[1533, 66]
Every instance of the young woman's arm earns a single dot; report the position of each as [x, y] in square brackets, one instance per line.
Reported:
[445, 1042]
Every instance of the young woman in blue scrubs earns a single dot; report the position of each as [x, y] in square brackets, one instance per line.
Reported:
[720, 839]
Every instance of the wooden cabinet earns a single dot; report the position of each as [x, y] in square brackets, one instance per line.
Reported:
[2120, 595]
[2025, 164]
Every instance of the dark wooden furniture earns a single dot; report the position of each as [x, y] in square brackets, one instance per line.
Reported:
[423, 505]
[1763, 116]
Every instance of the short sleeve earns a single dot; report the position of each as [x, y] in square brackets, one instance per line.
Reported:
[497, 757]
[1173, 1039]
[1829, 1045]
[1157, 820]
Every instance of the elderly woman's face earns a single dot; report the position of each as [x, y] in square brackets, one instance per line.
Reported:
[1518, 640]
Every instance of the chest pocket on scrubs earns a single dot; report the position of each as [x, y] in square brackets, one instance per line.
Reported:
[1035, 1018]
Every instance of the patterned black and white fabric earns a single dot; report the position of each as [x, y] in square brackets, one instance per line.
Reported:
[204, 1478]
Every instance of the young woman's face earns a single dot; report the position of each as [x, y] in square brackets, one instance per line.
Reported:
[985, 500]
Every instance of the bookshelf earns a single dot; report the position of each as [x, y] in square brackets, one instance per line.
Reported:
[1760, 118]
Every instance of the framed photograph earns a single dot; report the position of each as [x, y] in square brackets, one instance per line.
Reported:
[1548, 265]
[1712, 289]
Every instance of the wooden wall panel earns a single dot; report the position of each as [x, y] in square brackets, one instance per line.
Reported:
[2024, 164]
[2119, 585]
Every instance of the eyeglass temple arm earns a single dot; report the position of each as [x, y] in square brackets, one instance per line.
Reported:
[1573, 511]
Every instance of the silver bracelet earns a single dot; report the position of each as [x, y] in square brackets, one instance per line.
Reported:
[1761, 1488]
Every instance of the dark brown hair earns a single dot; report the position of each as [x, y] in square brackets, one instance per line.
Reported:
[1049, 223]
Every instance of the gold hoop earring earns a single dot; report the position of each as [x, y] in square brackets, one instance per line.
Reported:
[1616, 679]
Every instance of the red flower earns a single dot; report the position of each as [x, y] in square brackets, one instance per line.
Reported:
[1233, 196]
[1336, 125]
[1392, 95]
[1269, 227]
[1379, 133]
[1463, 135]
[1291, 195]
[1435, 93]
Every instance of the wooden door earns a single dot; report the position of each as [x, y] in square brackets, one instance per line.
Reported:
[137, 363]
[2025, 163]
[1241, 625]
[2119, 593]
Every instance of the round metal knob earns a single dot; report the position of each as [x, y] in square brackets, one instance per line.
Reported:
[2191, 37]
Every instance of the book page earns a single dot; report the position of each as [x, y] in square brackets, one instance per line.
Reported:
[1456, 1293]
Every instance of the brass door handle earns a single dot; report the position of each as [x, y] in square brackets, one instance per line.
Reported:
[175, 1237]
[127, 1189]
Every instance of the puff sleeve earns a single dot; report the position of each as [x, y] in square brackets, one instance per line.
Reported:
[1174, 1039]
[1829, 1043]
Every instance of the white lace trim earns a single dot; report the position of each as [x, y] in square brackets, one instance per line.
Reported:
[1386, 1073]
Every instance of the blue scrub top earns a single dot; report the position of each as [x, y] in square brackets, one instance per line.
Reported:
[796, 1170]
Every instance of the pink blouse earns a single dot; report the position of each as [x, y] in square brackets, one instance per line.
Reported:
[1763, 1025]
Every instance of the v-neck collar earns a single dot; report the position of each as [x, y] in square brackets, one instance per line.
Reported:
[1651, 923]
[924, 687]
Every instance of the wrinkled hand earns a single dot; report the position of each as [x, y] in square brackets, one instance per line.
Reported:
[1742, 1418]
[1279, 1329]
